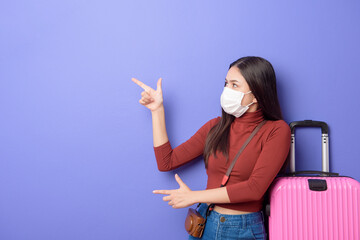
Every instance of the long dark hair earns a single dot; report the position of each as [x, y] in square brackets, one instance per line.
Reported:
[260, 76]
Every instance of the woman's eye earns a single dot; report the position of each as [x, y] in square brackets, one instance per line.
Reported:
[225, 84]
[235, 86]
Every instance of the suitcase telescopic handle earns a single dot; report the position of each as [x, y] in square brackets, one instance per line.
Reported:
[309, 123]
[324, 142]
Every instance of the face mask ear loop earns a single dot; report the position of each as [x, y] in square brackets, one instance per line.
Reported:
[250, 104]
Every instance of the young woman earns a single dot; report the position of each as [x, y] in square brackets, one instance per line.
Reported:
[249, 97]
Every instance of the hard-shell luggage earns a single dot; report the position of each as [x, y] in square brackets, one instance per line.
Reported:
[324, 206]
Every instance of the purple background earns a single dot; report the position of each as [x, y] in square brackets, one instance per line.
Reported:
[76, 156]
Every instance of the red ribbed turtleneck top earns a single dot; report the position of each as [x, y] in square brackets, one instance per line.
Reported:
[254, 170]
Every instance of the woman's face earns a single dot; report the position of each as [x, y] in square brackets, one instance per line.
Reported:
[237, 82]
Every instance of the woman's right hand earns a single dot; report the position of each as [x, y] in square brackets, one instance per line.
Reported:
[150, 98]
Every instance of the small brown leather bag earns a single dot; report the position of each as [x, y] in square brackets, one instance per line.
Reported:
[194, 222]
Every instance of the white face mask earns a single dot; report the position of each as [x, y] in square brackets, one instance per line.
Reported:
[231, 102]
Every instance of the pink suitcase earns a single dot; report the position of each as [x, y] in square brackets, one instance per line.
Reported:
[321, 207]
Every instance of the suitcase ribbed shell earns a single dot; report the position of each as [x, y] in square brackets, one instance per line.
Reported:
[296, 212]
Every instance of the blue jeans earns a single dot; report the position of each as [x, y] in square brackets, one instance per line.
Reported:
[224, 226]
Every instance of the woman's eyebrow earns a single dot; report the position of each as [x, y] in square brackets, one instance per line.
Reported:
[231, 80]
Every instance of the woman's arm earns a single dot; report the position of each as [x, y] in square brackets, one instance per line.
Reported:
[168, 158]
[153, 100]
[184, 197]
[160, 136]
[266, 168]
[216, 195]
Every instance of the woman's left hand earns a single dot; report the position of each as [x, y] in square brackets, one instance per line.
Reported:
[178, 198]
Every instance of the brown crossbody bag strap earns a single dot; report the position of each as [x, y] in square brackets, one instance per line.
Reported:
[227, 175]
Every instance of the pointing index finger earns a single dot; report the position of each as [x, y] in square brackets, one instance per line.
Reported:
[167, 192]
[141, 84]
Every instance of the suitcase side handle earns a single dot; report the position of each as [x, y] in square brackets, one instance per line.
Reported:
[324, 142]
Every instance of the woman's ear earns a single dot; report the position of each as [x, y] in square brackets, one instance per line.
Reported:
[254, 100]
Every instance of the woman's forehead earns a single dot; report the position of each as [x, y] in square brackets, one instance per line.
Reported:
[234, 75]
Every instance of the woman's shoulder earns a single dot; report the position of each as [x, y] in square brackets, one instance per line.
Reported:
[279, 124]
[278, 127]
[204, 130]
[210, 123]
[214, 121]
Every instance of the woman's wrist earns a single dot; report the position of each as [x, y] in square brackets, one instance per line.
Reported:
[160, 109]
[196, 197]
[216, 195]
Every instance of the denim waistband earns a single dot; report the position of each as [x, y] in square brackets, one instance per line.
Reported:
[242, 220]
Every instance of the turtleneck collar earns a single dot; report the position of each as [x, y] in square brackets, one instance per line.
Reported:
[250, 117]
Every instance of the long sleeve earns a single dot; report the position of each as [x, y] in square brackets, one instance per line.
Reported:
[168, 158]
[268, 164]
